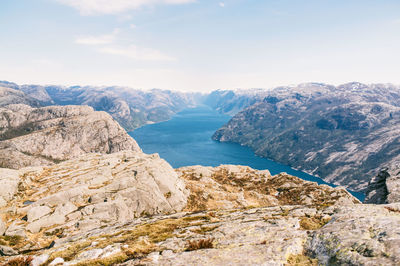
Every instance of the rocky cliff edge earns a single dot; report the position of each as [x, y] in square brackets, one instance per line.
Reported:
[47, 135]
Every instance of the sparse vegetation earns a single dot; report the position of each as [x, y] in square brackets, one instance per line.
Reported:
[301, 260]
[112, 260]
[205, 229]
[392, 209]
[10, 240]
[200, 244]
[70, 252]
[313, 223]
[140, 240]
[20, 261]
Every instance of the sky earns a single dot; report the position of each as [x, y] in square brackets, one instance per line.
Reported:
[199, 45]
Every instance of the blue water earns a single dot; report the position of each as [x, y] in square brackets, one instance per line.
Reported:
[186, 140]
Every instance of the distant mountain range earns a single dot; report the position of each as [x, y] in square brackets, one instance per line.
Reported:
[131, 108]
[342, 134]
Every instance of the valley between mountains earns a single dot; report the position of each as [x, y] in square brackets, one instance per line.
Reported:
[78, 190]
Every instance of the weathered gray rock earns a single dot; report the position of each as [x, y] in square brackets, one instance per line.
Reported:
[94, 190]
[39, 260]
[44, 136]
[359, 235]
[9, 181]
[7, 251]
[37, 212]
[16, 228]
[281, 235]
[3, 227]
[384, 187]
[46, 221]
[57, 261]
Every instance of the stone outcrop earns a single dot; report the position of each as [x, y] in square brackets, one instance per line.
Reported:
[384, 187]
[9, 180]
[233, 186]
[359, 235]
[93, 191]
[47, 135]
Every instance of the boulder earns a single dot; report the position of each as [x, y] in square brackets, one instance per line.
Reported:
[37, 212]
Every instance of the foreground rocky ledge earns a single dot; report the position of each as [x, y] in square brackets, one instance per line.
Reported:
[133, 208]
[292, 235]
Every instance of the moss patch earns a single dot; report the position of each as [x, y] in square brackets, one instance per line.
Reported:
[313, 223]
[12, 241]
[301, 260]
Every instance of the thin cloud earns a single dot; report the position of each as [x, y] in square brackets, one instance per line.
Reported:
[98, 40]
[221, 4]
[95, 40]
[137, 53]
[95, 7]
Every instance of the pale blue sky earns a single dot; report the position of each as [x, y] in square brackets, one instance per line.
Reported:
[199, 44]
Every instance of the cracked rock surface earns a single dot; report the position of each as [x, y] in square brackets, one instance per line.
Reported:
[47, 135]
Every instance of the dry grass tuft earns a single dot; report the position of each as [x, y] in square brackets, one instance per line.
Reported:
[20, 261]
[200, 244]
[112, 260]
[204, 229]
[392, 209]
[70, 252]
[312, 223]
[301, 260]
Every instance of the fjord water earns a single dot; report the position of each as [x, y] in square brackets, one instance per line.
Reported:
[186, 140]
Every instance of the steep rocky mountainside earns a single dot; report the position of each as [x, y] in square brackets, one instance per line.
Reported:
[384, 187]
[131, 108]
[12, 96]
[46, 135]
[343, 134]
[127, 207]
[233, 101]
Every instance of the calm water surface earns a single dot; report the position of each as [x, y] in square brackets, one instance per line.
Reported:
[186, 140]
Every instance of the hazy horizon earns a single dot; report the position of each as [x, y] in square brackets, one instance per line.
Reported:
[199, 45]
[205, 91]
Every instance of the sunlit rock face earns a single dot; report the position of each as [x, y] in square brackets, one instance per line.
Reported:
[47, 135]
[385, 186]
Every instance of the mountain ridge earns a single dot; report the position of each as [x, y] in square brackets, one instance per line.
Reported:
[324, 130]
